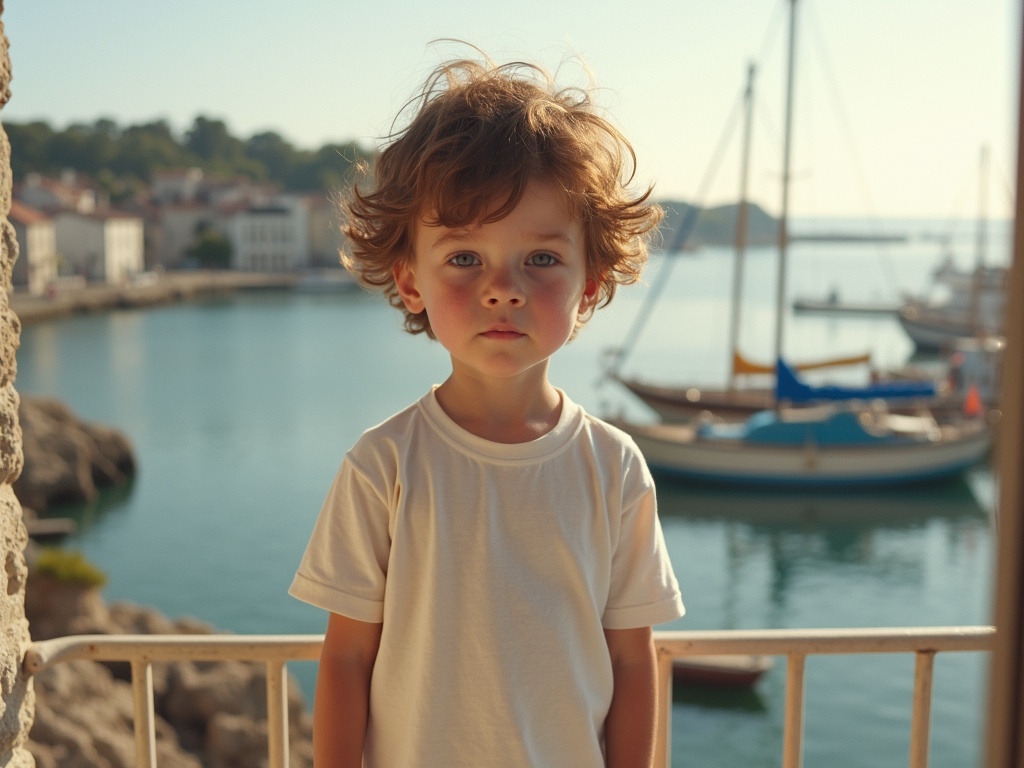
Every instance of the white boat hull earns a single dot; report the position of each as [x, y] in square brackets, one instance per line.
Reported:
[677, 450]
[938, 331]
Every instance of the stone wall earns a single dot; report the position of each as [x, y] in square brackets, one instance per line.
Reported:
[16, 697]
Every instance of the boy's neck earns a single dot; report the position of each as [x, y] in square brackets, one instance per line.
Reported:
[504, 411]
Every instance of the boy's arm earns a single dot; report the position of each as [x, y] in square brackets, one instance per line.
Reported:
[630, 727]
[341, 703]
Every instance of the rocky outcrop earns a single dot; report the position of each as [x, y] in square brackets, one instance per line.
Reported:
[208, 714]
[84, 719]
[67, 460]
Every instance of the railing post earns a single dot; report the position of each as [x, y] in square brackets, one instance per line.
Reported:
[277, 714]
[922, 709]
[793, 731]
[663, 736]
[145, 718]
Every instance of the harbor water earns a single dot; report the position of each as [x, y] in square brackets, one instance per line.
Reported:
[241, 407]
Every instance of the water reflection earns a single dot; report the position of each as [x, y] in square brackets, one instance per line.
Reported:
[747, 700]
[90, 514]
[904, 507]
[772, 559]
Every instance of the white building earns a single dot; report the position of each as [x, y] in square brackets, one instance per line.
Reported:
[36, 266]
[105, 246]
[271, 238]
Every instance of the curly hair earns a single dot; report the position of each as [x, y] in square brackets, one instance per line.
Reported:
[480, 134]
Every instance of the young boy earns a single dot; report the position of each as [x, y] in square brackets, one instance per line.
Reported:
[491, 556]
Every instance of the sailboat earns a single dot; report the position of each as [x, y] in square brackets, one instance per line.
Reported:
[973, 304]
[824, 446]
[679, 403]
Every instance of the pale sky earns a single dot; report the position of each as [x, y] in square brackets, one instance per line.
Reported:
[894, 98]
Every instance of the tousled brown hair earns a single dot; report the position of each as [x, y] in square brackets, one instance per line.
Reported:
[480, 134]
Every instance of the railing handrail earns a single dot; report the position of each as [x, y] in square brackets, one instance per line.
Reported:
[276, 650]
[782, 642]
[45, 653]
[769, 642]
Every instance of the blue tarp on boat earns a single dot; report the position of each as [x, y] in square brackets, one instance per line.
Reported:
[788, 388]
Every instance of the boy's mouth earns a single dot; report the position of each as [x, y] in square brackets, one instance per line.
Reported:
[502, 333]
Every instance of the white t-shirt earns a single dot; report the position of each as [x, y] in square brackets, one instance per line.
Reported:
[494, 569]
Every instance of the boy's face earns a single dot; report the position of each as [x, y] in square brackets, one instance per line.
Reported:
[502, 296]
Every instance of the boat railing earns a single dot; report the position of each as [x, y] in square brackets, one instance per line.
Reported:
[142, 651]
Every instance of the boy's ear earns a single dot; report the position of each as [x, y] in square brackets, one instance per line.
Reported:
[591, 290]
[405, 282]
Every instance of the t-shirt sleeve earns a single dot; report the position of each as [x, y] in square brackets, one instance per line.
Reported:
[345, 564]
[644, 590]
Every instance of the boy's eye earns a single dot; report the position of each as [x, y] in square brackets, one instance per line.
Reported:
[464, 259]
[543, 260]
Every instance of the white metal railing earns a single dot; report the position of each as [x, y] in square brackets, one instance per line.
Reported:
[275, 650]
[143, 650]
[796, 645]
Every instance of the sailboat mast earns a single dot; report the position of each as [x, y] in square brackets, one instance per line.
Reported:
[780, 295]
[974, 307]
[741, 228]
[982, 206]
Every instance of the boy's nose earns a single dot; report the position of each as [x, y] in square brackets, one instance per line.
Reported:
[504, 289]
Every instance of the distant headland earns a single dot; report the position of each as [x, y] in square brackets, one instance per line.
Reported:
[716, 225]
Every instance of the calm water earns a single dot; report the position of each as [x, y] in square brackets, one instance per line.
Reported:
[240, 410]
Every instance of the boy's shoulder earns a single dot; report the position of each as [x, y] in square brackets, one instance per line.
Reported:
[615, 447]
[395, 429]
[608, 433]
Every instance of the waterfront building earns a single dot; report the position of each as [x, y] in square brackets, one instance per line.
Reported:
[104, 246]
[37, 248]
[272, 237]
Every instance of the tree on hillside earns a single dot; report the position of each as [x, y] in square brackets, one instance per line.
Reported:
[125, 159]
[28, 147]
[329, 168]
[219, 151]
[210, 140]
[274, 152]
[145, 148]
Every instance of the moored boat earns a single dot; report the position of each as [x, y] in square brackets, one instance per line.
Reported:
[823, 447]
[734, 671]
[965, 303]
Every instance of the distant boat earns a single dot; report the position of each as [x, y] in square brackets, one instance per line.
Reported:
[50, 528]
[832, 304]
[735, 671]
[970, 302]
[970, 305]
[936, 330]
